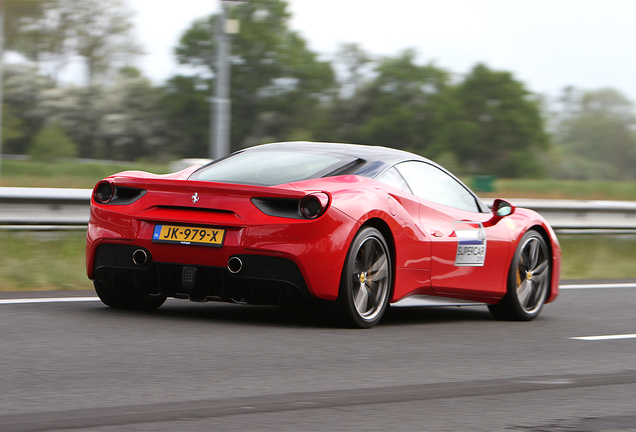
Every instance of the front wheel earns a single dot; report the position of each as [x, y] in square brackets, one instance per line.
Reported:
[528, 280]
[365, 285]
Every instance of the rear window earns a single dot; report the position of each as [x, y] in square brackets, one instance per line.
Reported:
[269, 168]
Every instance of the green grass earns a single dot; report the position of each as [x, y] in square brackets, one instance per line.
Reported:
[55, 260]
[85, 175]
[66, 174]
[598, 257]
[562, 189]
[36, 260]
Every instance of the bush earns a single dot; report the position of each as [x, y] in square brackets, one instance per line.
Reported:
[52, 143]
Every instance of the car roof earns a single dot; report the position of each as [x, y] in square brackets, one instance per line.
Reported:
[378, 159]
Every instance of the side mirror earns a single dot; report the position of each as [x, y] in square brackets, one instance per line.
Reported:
[500, 209]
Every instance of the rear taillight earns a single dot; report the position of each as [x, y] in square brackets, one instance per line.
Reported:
[314, 205]
[104, 192]
[311, 206]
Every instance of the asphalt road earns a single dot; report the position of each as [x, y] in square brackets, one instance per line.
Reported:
[201, 367]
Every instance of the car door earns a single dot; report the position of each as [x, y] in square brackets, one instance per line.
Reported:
[413, 255]
[469, 256]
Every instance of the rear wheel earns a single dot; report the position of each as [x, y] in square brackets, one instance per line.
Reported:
[366, 280]
[124, 296]
[528, 280]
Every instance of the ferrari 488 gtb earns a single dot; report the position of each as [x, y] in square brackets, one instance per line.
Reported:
[359, 226]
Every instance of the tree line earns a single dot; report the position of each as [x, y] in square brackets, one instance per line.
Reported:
[484, 122]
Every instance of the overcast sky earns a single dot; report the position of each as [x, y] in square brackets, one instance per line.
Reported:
[547, 44]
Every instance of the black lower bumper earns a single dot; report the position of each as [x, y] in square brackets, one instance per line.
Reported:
[261, 279]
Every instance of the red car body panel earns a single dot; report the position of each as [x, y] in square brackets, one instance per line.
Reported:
[421, 235]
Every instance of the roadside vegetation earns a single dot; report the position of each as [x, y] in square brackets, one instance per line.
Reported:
[55, 260]
[482, 121]
[562, 189]
[84, 175]
[598, 256]
[68, 174]
[37, 260]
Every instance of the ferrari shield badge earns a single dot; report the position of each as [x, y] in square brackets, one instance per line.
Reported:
[471, 244]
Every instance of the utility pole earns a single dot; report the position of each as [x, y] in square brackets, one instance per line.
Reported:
[221, 103]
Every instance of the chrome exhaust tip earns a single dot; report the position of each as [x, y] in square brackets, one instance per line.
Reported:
[234, 265]
[140, 257]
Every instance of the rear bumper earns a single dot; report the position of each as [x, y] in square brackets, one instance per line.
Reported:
[304, 256]
[260, 280]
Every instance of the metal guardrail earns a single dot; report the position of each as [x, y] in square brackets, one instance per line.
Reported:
[59, 209]
[43, 208]
[584, 215]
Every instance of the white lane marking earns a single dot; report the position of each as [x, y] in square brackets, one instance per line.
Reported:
[549, 382]
[48, 300]
[432, 303]
[606, 337]
[595, 286]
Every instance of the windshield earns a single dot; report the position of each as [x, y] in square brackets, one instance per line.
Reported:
[270, 167]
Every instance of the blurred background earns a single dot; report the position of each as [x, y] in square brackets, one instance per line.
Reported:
[520, 99]
[523, 90]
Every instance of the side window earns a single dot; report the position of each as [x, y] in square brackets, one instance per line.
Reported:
[393, 178]
[432, 184]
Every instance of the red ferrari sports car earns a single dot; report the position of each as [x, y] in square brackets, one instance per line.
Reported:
[359, 226]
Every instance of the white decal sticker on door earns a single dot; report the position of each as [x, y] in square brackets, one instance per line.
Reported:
[471, 244]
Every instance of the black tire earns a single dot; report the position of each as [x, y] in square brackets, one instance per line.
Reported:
[366, 281]
[528, 280]
[125, 297]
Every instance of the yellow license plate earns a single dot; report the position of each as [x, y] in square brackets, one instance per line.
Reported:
[188, 235]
